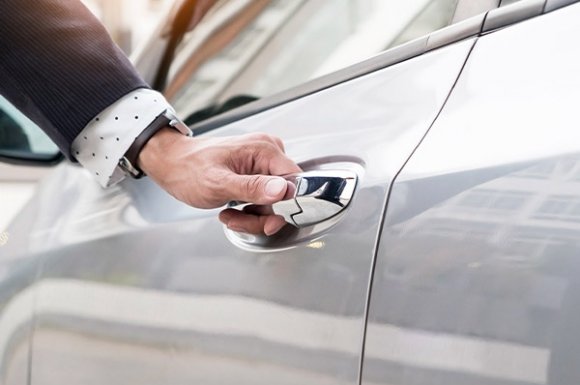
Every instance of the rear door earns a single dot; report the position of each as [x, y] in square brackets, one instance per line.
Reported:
[477, 276]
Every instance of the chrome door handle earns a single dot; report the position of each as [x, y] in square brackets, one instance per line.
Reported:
[319, 195]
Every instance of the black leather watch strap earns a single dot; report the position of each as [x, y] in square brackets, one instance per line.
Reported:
[129, 161]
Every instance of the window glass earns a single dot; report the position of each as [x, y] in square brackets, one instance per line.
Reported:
[19, 136]
[507, 2]
[261, 51]
[436, 15]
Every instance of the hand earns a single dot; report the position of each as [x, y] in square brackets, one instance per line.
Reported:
[210, 172]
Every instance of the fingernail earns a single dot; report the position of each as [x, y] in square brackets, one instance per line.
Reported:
[275, 187]
[273, 230]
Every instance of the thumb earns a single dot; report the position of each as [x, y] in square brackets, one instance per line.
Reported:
[258, 189]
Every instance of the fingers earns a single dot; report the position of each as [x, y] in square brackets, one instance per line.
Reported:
[259, 154]
[262, 137]
[208, 172]
[266, 153]
[250, 223]
[270, 158]
[257, 189]
[255, 179]
[282, 165]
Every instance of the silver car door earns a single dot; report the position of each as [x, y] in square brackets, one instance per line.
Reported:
[17, 274]
[477, 277]
[18, 267]
[137, 288]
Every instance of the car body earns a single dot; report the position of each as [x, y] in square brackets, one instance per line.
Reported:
[456, 262]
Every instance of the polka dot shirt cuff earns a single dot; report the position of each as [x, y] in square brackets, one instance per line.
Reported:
[109, 135]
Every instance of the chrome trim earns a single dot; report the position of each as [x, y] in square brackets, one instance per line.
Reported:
[513, 13]
[458, 31]
[552, 5]
[319, 196]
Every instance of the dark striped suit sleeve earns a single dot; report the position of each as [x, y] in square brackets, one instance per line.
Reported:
[59, 66]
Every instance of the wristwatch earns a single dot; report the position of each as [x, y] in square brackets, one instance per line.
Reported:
[166, 119]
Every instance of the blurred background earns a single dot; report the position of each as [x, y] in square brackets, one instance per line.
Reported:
[129, 21]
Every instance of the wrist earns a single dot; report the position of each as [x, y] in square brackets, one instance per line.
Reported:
[157, 148]
[167, 120]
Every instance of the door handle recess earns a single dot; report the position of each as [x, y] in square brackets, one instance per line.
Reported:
[319, 195]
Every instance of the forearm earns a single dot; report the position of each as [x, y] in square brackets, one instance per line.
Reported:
[59, 66]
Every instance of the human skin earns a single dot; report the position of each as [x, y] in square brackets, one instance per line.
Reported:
[210, 172]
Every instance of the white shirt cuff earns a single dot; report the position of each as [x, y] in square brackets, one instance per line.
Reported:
[108, 136]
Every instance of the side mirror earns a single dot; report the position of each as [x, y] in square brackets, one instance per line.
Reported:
[22, 141]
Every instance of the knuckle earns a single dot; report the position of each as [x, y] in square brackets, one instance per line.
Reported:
[253, 184]
[261, 150]
[263, 137]
[268, 147]
[257, 137]
[280, 143]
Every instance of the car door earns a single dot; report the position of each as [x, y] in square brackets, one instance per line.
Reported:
[138, 288]
[477, 278]
[17, 274]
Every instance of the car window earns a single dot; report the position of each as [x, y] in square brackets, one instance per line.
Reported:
[435, 15]
[278, 44]
[507, 2]
[20, 136]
